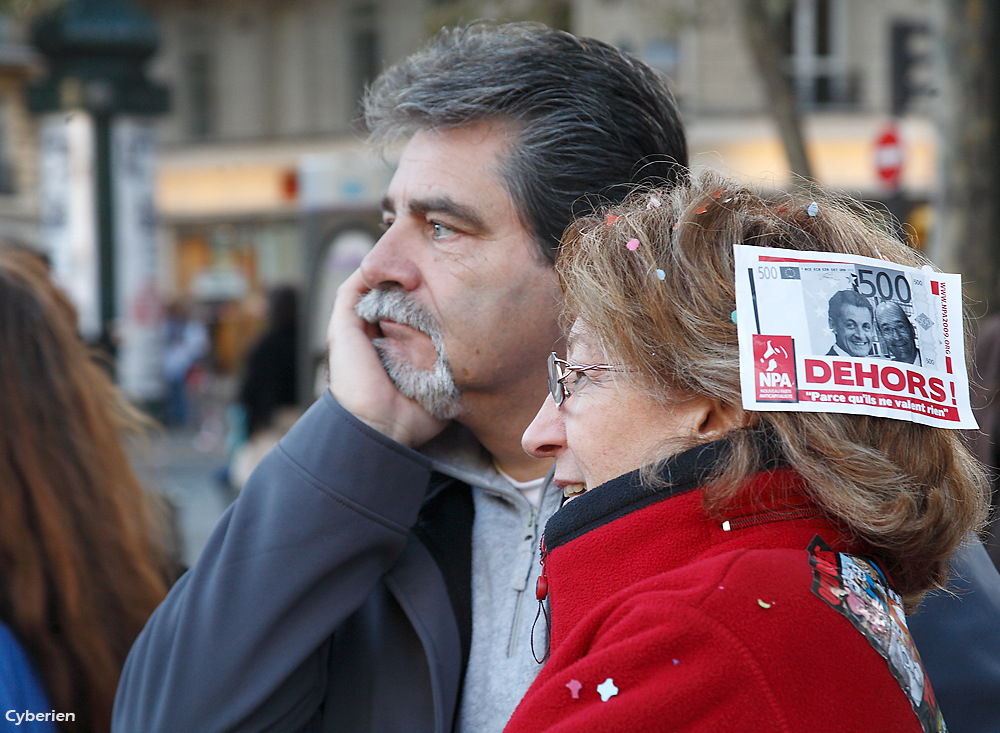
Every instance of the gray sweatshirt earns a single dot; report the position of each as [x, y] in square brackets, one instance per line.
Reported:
[505, 566]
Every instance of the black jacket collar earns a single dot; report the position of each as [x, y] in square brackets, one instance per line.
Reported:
[680, 473]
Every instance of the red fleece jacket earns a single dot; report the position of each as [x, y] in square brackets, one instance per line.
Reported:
[661, 620]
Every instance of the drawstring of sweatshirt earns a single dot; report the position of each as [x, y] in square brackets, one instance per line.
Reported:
[541, 592]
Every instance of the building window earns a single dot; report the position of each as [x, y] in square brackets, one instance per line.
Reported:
[199, 83]
[8, 169]
[365, 62]
[817, 54]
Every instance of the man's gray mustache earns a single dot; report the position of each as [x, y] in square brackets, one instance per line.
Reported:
[398, 306]
[435, 390]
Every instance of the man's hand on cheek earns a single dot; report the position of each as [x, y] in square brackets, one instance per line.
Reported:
[359, 382]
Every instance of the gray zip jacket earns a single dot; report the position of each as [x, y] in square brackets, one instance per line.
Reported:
[336, 594]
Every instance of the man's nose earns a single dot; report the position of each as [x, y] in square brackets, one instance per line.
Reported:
[389, 264]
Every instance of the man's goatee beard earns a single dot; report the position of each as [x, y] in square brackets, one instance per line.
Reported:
[433, 389]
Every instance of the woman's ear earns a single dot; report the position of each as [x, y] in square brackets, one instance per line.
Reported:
[718, 418]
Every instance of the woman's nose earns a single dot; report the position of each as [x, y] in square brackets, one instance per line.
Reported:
[546, 435]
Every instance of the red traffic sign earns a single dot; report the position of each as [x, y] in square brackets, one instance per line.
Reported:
[889, 156]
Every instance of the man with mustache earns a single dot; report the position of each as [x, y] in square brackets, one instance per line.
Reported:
[378, 570]
[358, 584]
[896, 332]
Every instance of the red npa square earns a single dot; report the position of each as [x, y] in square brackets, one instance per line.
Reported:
[774, 368]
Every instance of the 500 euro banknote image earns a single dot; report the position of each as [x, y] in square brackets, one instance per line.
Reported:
[825, 332]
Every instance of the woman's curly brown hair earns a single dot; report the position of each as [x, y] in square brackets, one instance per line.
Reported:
[910, 492]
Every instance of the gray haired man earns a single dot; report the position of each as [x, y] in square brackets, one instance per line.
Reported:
[361, 584]
[377, 571]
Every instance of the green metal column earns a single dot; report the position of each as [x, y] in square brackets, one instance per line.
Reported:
[96, 51]
[105, 225]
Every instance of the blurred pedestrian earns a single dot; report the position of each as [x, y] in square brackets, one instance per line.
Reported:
[185, 343]
[986, 402]
[269, 378]
[81, 568]
[269, 390]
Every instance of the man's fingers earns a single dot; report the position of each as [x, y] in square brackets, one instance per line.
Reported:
[343, 314]
[358, 380]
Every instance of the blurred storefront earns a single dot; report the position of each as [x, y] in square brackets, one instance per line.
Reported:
[263, 178]
[843, 150]
[241, 220]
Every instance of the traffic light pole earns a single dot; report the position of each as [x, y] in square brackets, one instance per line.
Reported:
[96, 52]
[105, 228]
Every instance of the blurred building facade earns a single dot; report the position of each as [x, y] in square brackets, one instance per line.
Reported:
[264, 178]
[19, 223]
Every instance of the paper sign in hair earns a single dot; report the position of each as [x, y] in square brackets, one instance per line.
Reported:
[824, 332]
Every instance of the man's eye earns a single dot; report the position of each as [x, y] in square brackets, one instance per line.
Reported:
[440, 231]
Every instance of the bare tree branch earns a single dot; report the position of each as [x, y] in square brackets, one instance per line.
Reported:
[765, 31]
[968, 231]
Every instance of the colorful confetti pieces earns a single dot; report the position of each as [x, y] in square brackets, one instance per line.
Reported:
[633, 245]
[607, 689]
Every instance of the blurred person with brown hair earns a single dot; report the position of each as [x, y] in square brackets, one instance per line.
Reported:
[81, 571]
[269, 376]
[721, 568]
[269, 390]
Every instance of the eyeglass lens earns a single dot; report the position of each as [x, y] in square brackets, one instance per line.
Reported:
[556, 388]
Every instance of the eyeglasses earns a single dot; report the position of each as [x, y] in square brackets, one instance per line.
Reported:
[561, 370]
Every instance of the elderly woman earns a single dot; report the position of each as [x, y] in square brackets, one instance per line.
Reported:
[723, 569]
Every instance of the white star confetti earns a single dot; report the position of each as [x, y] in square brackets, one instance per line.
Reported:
[607, 689]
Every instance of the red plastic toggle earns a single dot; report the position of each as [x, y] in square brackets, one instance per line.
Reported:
[541, 588]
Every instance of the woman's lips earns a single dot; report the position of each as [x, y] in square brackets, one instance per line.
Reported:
[571, 489]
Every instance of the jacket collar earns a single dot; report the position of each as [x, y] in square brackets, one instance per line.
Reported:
[456, 453]
[624, 531]
[679, 474]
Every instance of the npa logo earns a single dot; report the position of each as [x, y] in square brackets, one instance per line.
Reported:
[774, 368]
